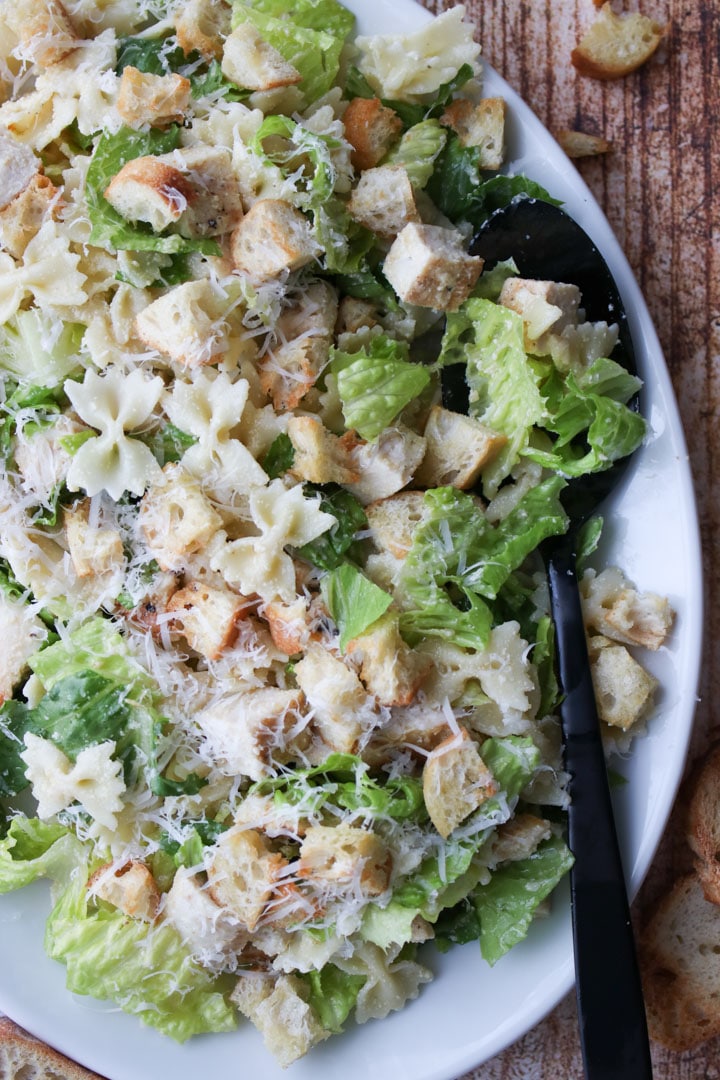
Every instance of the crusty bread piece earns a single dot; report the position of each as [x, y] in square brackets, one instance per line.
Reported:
[45, 29]
[147, 189]
[157, 100]
[371, 128]
[384, 201]
[480, 124]
[272, 237]
[393, 521]
[202, 25]
[428, 265]
[703, 823]
[456, 781]
[18, 166]
[458, 449]
[23, 1057]
[616, 45]
[24, 216]
[251, 62]
[680, 962]
[578, 144]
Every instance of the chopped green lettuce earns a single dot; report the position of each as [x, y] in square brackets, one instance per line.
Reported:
[354, 601]
[418, 150]
[507, 904]
[167, 443]
[33, 849]
[39, 349]
[329, 551]
[162, 55]
[280, 456]
[142, 967]
[309, 34]
[109, 228]
[376, 383]
[332, 995]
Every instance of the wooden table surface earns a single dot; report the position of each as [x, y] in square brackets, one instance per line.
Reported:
[656, 187]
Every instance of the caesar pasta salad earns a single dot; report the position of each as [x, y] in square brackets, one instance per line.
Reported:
[278, 703]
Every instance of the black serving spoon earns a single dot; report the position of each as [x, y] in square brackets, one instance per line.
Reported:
[547, 244]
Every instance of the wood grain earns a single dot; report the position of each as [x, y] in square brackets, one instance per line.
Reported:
[657, 188]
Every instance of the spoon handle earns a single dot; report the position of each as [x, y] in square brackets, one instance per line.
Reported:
[611, 1012]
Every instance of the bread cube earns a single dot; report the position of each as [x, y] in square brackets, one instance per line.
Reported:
[251, 62]
[427, 265]
[272, 237]
[613, 608]
[130, 888]
[186, 323]
[545, 306]
[456, 781]
[580, 144]
[481, 125]
[305, 335]
[276, 1005]
[624, 690]
[458, 448]
[353, 314]
[342, 854]
[18, 166]
[389, 668]
[202, 26]
[250, 732]
[208, 930]
[175, 517]
[372, 129]
[242, 873]
[216, 205]
[393, 521]
[22, 633]
[148, 189]
[519, 837]
[45, 29]
[384, 201]
[22, 218]
[207, 617]
[320, 456]
[157, 100]
[93, 549]
[336, 697]
[615, 45]
[386, 465]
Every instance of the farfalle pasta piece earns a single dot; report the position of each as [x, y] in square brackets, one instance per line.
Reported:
[209, 408]
[94, 779]
[48, 272]
[259, 564]
[113, 404]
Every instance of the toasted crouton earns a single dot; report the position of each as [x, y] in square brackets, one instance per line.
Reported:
[207, 617]
[130, 888]
[703, 824]
[18, 166]
[242, 873]
[353, 314]
[216, 205]
[320, 456]
[616, 45]
[390, 669]
[175, 517]
[427, 265]
[305, 334]
[679, 950]
[250, 731]
[579, 144]
[344, 854]
[519, 837]
[45, 29]
[384, 201]
[289, 625]
[277, 1007]
[393, 521]
[371, 128]
[456, 781]
[336, 697]
[147, 189]
[388, 464]
[152, 99]
[206, 928]
[272, 237]
[93, 549]
[612, 607]
[23, 217]
[544, 306]
[623, 688]
[480, 124]
[251, 62]
[202, 26]
[417, 727]
[186, 323]
[458, 448]
[22, 632]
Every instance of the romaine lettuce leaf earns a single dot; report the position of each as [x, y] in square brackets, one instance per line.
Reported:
[329, 550]
[418, 150]
[332, 995]
[280, 456]
[163, 55]
[144, 968]
[34, 849]
[376, 383]
[354, 601]
[110, 229]
[309, 34]
[507, 904]
[458, 560]
[38, 349]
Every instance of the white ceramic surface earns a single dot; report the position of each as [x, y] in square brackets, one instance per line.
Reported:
[470, 1012]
